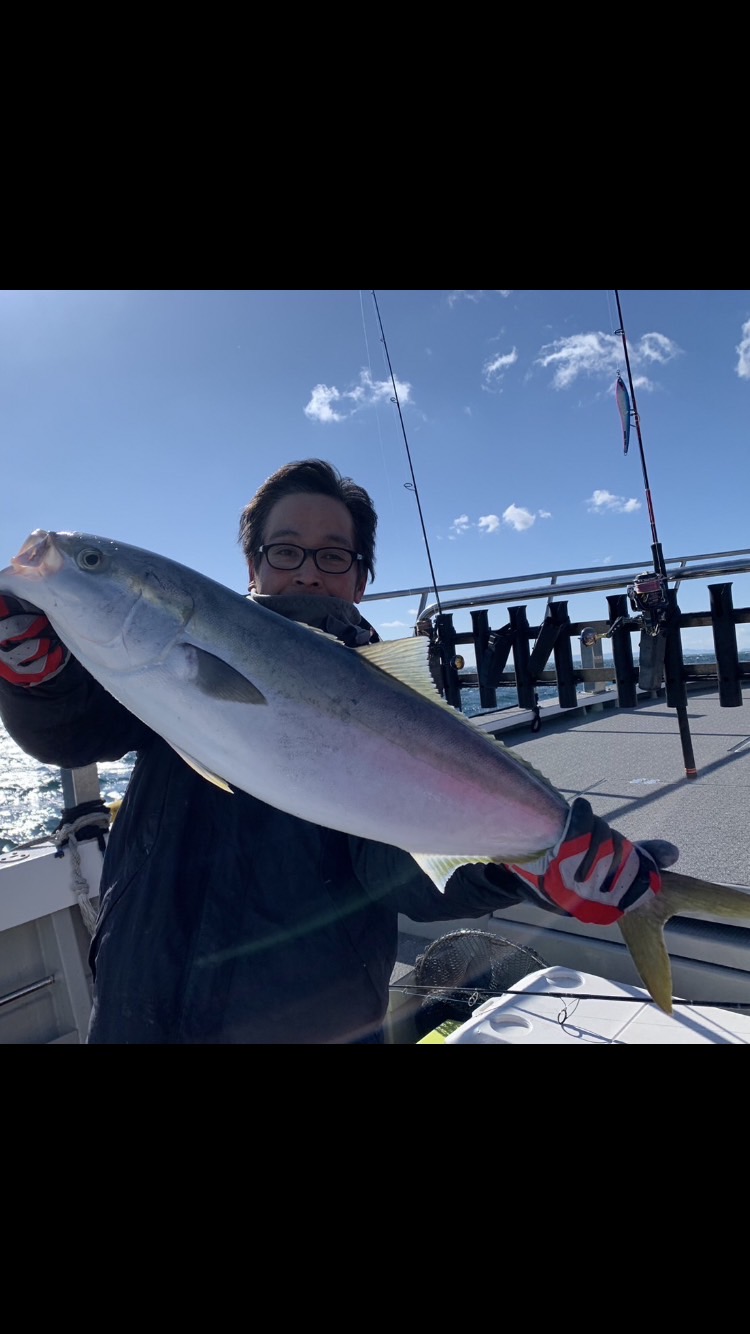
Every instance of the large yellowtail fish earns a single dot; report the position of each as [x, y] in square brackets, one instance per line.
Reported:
[352, 739]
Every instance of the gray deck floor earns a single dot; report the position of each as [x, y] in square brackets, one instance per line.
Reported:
[629, 764]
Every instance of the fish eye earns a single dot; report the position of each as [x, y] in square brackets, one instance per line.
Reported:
[89, 558]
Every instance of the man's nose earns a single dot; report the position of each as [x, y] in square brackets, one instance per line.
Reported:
[307, 572]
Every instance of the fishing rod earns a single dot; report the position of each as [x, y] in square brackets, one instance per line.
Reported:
[659, 565]
[413, 485]
[649, 594]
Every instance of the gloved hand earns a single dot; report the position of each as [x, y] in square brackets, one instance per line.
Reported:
[595, 874]
[30, 650]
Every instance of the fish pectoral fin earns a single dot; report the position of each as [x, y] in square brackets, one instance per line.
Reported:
[216, 678]
[440, 868]
[201, 769]
[643, 934]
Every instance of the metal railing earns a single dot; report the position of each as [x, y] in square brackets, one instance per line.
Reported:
[599, 578]
[661, 659]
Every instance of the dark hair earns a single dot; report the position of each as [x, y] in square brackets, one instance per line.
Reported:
[315, 477]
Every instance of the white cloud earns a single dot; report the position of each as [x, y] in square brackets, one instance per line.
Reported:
[602, 501]
[517, 517]
[474, 293]
[460, 525]
[319, 408]
[494, 369]
[656, 347]
[600, 354]
[743, 353]
[367, 394]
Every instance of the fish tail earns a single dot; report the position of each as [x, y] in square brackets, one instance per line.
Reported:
[643, 928]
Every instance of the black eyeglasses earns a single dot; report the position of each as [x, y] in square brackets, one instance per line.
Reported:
[329, 560]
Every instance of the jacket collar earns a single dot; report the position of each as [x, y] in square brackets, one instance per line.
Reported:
[334, 615]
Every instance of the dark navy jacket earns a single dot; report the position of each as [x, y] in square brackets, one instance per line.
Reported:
[222, 919]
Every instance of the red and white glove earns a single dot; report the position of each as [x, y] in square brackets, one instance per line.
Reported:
[30, 650]
[595, 874]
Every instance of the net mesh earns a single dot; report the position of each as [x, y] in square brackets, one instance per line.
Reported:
[463, 968]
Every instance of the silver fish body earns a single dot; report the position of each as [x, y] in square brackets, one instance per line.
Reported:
[262, 703]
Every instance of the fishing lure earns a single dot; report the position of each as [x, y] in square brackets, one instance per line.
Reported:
[623, 403]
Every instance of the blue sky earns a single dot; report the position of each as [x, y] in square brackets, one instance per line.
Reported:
[152, 415]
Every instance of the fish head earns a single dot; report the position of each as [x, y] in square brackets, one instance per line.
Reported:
[108, 601]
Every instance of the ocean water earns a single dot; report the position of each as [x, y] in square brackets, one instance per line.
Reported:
[31, 801]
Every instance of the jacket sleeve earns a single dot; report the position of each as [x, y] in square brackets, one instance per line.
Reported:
[474, 890]
[70, 720]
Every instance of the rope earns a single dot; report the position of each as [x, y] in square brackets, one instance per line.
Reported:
[96, 822]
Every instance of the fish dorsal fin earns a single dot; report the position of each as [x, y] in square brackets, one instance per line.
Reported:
[201, 769]
[408, 661]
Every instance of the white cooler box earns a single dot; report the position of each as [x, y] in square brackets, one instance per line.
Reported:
[571, 1007]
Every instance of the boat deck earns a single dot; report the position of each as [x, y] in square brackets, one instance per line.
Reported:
[629, 764]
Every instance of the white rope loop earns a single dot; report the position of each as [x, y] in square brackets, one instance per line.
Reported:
[67, 834]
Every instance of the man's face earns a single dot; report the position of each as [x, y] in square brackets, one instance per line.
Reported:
[310, 521]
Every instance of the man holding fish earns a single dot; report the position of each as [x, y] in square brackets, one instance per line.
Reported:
[297, 783]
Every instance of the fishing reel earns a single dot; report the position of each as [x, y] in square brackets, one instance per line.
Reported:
[648, 598]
